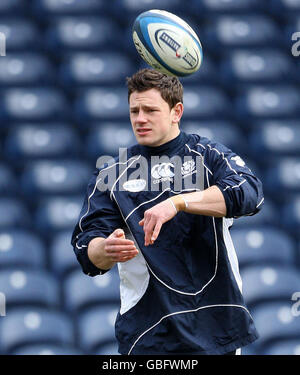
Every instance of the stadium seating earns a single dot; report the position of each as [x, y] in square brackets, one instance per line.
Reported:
[225, 7]
[63, 104]
[108, 349]
[47, 349]
[264, 245]
[31, 325]
[89, 68]
[242, 67]
[98, 142]
[25, 69]
[21, 248]
[275, 138]
[50, 8]
[29, 287]
[82, 33]
[240, 31]
[96, 327]
[275, 323]
[103, 103]
[48, 177]
[205, 102]
[57, 213]
[283, 174]
[7, 180]
[43, 140]
[284, 347]
[61, 254]
[265, 282]
[267, 216]
[225, 132]
[12, 6]
[21, 34]
[261, 102]
[36, 104]
[16, 213]
[81, 291]
[290, 215]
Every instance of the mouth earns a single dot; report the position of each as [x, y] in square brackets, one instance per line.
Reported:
[143, 131]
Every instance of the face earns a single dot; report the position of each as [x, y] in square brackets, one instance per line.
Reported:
[152, 120]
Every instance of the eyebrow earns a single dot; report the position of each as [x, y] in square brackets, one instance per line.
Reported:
[145, 106]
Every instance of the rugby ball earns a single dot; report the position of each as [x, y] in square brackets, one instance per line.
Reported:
[167, 43]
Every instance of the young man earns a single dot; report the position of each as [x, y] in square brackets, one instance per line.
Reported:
[168, 230]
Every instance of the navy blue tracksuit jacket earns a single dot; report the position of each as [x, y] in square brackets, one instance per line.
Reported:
[183, 294]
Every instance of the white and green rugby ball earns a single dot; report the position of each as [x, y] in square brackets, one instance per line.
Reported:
[167, 43]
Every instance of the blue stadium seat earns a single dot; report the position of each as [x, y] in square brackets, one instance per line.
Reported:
[20, 33]
[225, 132]
[7, 181]
[267, 216]
[275, 322]
[81, 291]
[266, 282]
[48, 177]
[80, 33]
[106, 138]
[62, 257]
[130, 9]
[225, 7]
[275, 138]
[16, 215]
[57, 213]
[205, 102]
[284, 173]
[290, 215]
[50, 8]
[31, 325]
[37, 104]
[89, 68]
[259, 66]
[20, 248]
[47, 349]
[103, 104]
[240, 31]
[25, 69]
[284, 347]
[261, 102]
[283, 8]
[12, 6]
[29, 287]
[263, 245]
[108, 349]
[96, 327]
[29, 141]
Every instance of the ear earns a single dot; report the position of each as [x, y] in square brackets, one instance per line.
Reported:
[177, 112]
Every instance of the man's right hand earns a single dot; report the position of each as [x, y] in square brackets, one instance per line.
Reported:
[104, 253]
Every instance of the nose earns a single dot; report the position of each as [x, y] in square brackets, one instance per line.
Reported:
[141, 118]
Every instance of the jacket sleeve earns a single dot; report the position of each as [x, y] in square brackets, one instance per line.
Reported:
[99, 217]
[242, 190]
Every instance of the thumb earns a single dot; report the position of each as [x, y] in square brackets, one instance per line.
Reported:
[118, 233]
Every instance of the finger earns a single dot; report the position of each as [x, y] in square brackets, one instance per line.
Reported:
[117, 233]
[115, 248]
[141, 222]
[148, 229]
[119, 241]
[155, 232]
[125, 256]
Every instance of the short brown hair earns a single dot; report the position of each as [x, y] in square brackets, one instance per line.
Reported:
[170, 88]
